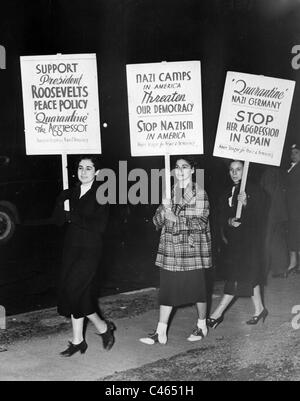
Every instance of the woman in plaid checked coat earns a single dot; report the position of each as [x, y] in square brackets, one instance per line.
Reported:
[184, 251]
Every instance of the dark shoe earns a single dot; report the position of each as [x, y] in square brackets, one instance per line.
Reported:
[214, 323]
[108, 337]
[72, 349]
[292, 270]
[197, 335]
[280, 275]
[256, 319]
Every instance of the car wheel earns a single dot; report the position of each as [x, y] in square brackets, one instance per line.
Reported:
[7, 225]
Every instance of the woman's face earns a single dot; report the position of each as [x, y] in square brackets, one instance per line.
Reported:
[183, 170]
[86, 171]
[236, 171]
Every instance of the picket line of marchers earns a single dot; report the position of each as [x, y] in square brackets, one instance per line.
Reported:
[61, 111]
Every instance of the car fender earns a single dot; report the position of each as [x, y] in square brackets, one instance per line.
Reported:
[12, 208]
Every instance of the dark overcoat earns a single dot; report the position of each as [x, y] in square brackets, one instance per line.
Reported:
[86, 223]
[293, 199]
[276, 216]
[244, 249]
[293, 192]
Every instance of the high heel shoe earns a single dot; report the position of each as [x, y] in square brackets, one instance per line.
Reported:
[291, 270]
[256, 319]
[280, 275]
[72, 349]
[214, 323]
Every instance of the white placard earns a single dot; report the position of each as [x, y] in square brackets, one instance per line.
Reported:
[165, 108]
[254, 117]
[61, 107]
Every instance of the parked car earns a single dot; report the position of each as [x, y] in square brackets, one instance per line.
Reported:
[29, 186]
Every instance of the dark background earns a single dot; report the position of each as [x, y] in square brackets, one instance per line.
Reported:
[239, 35]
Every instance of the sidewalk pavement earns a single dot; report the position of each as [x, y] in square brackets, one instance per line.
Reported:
[234, 351]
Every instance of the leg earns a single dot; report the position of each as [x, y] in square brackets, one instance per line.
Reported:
[201, 330]
[164, 313]
[105, 329]
[260, 311]
[160, 335]
[293, 260]
[77, 326]
[201, 309]
[257, 301]
[162, 327]
[225, 301]
[100, 324]
[78, 344]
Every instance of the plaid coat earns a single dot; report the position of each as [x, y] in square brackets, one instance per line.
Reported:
[185, 244]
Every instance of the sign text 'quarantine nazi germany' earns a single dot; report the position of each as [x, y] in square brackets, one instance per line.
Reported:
[165, 108]
[254, 117]
[60, 101]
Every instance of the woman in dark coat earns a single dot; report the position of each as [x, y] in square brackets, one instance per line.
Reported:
[184, 252]
[86, 221]
[293, 198]
[244, 246]
[276, 216]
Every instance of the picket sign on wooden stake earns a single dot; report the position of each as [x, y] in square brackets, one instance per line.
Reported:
[243, 187]
[168, 176]
[64, 161]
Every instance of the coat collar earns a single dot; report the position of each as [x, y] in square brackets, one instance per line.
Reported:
[188, 195]
[93, 189]
[295, 168]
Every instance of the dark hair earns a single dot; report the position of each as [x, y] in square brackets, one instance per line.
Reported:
[93, 158]
[235, 161]
[190, 159]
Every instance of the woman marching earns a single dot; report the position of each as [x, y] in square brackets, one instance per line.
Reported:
[82, 251]
[184, 251]
[244, 249]
[293, 198]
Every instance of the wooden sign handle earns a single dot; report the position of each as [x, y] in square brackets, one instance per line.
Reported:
[243, 187]
[64, 160]
[168, 176]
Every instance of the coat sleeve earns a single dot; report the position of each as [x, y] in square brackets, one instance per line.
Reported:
[253, 213]
[59, 215]
[224, 211]
[159, 217]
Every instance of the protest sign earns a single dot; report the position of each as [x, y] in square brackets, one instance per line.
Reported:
[165, 110]
[60, 102]
[253, 120]
[254, 117]
[61, 107]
